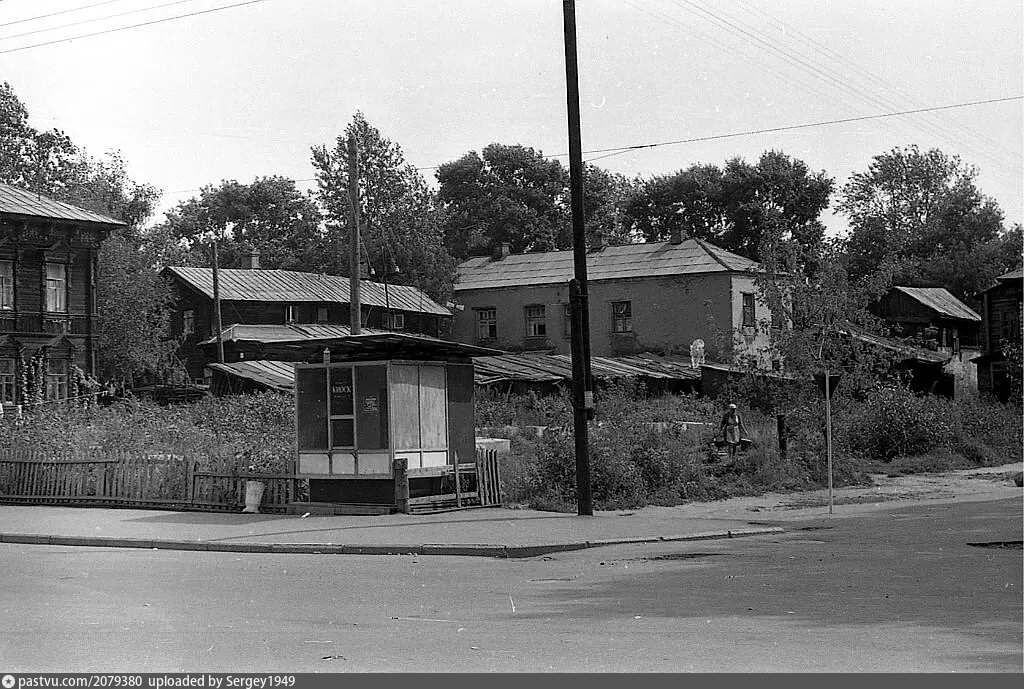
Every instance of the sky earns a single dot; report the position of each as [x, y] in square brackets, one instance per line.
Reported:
[209, 90]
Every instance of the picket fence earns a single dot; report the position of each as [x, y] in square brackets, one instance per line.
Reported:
[132, 480]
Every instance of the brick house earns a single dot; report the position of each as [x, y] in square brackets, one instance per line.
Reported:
[259, 307]
[1001, 311]
[657, 297]
[48, 267]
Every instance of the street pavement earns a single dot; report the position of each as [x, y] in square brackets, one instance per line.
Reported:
[494, 532]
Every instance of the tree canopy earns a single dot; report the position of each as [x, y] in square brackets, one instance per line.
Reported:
[918, 219]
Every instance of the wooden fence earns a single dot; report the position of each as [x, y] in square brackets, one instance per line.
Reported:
[126, 480]
[476, 484]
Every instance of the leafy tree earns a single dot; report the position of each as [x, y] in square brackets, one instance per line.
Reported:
[917, 218]
[269, 215]
[744, 208]
[399, 227]
[605, 196]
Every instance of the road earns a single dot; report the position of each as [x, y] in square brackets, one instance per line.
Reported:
[898, 589]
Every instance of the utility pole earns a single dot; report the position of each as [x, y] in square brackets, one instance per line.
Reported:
[355, 302]
[216, 302]
[583, 397]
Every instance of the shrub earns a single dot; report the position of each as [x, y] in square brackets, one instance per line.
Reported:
[894, 422]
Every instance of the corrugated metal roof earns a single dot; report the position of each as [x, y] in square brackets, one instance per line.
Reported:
[278, 375]
[940, 300]
[242, 332]
[1012, 275]
[552, 368]
[20, 202]
[657, 259]
[378, 345]
[238, 284]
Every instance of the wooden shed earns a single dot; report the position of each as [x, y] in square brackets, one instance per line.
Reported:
[382, 419]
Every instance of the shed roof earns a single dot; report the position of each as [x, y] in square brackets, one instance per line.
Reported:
[941, 301]
[553, 368]
[17, 201]
[238, 284]
[277, 375]
[373, 346]
[290, 332]
[657, 259]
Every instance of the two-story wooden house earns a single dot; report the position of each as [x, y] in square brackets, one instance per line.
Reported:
[1001, 315]
[259, 307]
[657, 297]
[48, 266]
[936, 320]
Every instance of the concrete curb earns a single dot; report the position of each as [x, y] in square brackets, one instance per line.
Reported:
[450, 549]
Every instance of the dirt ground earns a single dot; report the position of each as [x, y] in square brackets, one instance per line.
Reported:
[986, 483]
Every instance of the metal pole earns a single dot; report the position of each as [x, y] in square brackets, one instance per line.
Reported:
[583, 397]
[355, 301]
[828, 435]
[216, 303]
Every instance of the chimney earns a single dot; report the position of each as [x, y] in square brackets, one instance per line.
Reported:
[252, 260]
[676, 237]
[600, 241]
[502, 250]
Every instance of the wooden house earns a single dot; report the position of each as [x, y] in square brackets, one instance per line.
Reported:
[657, 297]
[1001, 311]
[48, 268]
[934, 319]
[259, 307]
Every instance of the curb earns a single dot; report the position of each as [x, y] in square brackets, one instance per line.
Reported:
[450, 549]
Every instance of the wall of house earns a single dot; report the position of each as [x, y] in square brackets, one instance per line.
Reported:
[668, 314]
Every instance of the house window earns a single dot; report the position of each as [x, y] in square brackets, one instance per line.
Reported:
[57, 371]
[321, 314]
[487, 324]
[7, 285]
[394, 321]
[535, 322]
[7, 381]
[56, 287]
[749, 317]
[290, 313]
[567, 320]
[188, 322]
[622, 316]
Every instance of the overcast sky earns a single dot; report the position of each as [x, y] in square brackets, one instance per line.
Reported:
[246, 91]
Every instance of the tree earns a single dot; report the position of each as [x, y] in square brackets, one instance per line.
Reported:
[269, 215]
[398, 222]
[918, 219]
[747, 209]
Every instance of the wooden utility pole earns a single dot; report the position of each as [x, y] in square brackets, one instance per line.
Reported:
[355, 302]
[216, 303]
[583, 396]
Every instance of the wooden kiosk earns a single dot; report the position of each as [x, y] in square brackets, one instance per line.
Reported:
[385, 422]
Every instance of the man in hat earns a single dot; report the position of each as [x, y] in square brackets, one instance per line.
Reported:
[733, 429]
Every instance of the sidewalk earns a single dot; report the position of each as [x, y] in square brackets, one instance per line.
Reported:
[491, 532]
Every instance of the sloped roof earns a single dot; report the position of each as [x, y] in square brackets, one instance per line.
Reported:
[238, 284]
[378, 345]
[1012, 275]
[285, 332]
[277, 375]
[692, 256]
[553, 368]
[941, 301]
[16, 201]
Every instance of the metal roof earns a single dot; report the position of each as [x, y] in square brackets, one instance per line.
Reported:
[373, 346]
[553, 368]
[15, 201]
[237, 284]
[658, 259]
[290, 332]
[277, 375]
[941, 301]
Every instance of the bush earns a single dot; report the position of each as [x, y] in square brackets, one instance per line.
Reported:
[894, 422]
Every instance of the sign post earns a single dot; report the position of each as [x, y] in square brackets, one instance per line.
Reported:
[827, 382]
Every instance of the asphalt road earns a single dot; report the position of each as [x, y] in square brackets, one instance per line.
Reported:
[899, 589]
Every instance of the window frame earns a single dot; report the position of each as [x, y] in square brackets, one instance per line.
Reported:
[748, 311]
[536, 325]
[8, 381]
[188, 322]
[326, 314]
[622, 324]
[290, 313]
[6, 285]
[52, 294]
[491, 323]
[58, 382]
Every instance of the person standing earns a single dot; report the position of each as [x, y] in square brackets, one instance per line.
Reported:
[733, 429]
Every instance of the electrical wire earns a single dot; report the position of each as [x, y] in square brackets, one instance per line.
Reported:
[54, 14]
[132, 26]
[95, 19]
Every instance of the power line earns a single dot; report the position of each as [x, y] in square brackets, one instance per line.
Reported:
[54, 14]
[132, 26]
[95, 19]
[618, 150]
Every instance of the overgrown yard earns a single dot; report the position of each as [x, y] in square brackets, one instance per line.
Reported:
[640, 452]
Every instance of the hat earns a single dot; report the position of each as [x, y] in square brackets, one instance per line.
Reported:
[732, 406]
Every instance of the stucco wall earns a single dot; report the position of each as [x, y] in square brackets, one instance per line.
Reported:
[667, 313]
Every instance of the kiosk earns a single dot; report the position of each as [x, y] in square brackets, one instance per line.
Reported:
[384, 419]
